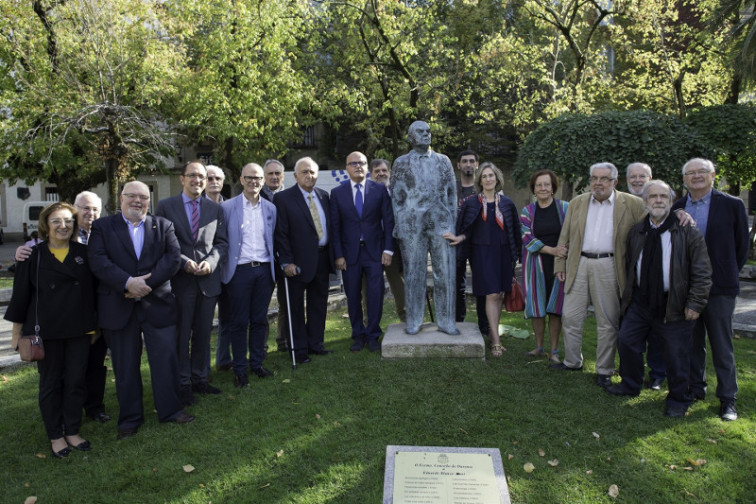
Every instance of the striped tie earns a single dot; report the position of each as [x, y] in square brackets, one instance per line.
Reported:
[195, 220]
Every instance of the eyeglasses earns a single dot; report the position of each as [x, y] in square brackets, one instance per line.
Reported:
[247, 179]
[197, 176]
[211, 179]
[693, 173]
[58, 222]
[91, 209]
[142, 197]
[603, 180]
[355, 164]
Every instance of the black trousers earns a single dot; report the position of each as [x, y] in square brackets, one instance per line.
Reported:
[62, 384]
[95, 378]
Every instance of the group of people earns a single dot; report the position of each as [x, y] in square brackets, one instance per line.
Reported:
[133, 279]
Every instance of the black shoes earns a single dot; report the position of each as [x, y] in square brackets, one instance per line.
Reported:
[303, 360]
[563, 367]
[83, 446]
[186, 396]
[64, 453]
[127, 432]
[182, 418]
[261, 372]
[374, 345]
[620, 390]
[727, 411]
[205, 388]
[603, 380]
[675, 412]
[358, 345]
[655, 384]
[101, 417]
[241, 381]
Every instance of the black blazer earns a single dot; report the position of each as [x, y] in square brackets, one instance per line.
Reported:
[469, 224]
[726, 240]
[66, 294]
[113, 261]
[211, 244]
[296, 240]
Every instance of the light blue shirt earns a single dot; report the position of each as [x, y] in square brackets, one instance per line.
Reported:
[699, 211]
[137, 238]
[321, 214]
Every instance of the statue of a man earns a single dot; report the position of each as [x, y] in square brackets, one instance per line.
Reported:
[424, 196]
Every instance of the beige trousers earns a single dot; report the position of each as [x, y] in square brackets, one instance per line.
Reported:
[596, 284]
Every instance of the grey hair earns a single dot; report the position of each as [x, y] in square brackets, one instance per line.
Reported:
[606, 165]
[89, 194]
[653, 182]
[273, 161]
[213, 167]
[304, 160]
[708, 165]
[645, 167]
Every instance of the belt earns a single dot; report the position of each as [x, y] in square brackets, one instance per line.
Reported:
[362, 243]
[591, 255]
[255, 264]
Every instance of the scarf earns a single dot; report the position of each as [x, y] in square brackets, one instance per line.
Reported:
[499, 217]
[652, 273]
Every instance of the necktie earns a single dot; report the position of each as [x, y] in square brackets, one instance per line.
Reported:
[358, 200]
[315, 217]
[195, 220]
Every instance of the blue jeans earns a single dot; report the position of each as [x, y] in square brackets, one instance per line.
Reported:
[249, 292]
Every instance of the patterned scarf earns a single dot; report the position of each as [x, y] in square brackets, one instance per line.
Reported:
[499, 217]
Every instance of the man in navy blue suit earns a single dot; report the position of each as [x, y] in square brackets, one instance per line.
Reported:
[302, 243]
[134, 255]
[362, 222]
[722, 220]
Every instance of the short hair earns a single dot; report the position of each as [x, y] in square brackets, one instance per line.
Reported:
[273, 161]
[196, 161]
[252, 165]
[137, 182]
[467, 152]
[497, 173]
[306, 159]
[653, 182]
[552, 176]
[604, 165]
[645, 167]
[44, 227]
[220, 170]
[88, 194]
[375, 163]
[708, 165]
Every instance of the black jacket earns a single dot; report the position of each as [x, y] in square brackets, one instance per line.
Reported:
[689, 269]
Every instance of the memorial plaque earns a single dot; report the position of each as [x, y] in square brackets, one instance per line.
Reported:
[444, 475]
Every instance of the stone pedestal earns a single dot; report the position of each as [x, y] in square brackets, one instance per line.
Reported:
[430, 343]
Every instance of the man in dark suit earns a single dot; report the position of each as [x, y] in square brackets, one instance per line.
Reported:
[248, 275]
[362, 222]
[302, 237]
[723, 221]
[134, 255]
[201, 233]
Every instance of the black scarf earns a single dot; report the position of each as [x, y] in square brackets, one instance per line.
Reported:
[652, 272]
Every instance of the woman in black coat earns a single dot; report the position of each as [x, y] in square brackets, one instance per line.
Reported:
[57, 275]
[488, 229]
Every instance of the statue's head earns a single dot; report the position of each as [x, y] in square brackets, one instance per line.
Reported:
[419, 134]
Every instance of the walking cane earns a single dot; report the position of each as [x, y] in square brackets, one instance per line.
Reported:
[291, 331]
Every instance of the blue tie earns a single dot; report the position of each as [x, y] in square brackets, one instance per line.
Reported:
[358, 201]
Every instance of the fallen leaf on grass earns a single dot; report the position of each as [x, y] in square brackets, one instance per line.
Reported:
[528, 467]
[317, 416]
[712, 441]
[202, 485]
[687, 468]
[266, 485]
[689, 494]
[515, 442]
[510, 456]
[279, 453]
[541, 453]
[346, 315]
[27, 485]
[462, 430]
[596, 435]
[613, 491]
[32, 499]
[553, 463]
[231, 397]
[588, 472]
[697, 462]
[287, 380]
[41, 455]
[154, 469]
[188, 468]
[673, 467]
[5, 378]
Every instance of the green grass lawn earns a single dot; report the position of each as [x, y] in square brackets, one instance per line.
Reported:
[319, 434]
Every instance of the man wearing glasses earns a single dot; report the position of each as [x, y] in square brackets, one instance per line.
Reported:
[134, 256]
[595, 234]
[362, 222]
[215, 179]
[248, 275]
[201, 233]
[722, 220]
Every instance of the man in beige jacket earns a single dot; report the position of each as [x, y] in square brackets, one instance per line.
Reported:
[595, 233]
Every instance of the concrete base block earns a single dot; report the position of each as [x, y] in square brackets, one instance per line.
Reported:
[430, 343]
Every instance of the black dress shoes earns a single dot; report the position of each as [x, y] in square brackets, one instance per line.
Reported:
[620, 390]
[127, 432]
[241, 381]
[374, 345]
[186, 396]
[603, 380]
[64, 453]
[101, 417]
[358, 345]
[261, 372]
[655, 384]
[83, 446]
[303, 360]
[320, 351]
[675, 412]
[205, 388]
[182, 418]
[562, 367]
